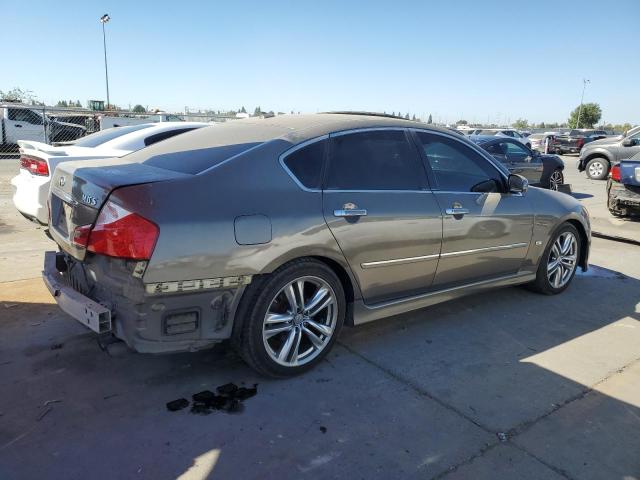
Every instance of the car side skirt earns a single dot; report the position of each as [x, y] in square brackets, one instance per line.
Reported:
[367, 313]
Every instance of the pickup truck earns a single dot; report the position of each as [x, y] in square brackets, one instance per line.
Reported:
[573, 141]
[597, 157]
[18, 122]
[623, 188]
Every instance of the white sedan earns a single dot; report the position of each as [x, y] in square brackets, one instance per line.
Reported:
[39, 160]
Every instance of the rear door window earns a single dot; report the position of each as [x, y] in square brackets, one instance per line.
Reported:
[305, 164]
[374, 160]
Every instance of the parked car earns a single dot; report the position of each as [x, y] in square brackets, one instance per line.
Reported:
[597, 157]
[21, 123]
[539, 169]
[501, 132]
[39, 160]
[576, 139]
[543, 142]
[275, 232]
[623, 188]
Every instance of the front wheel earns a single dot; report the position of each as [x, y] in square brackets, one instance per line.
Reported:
[559, 262]
[556, 179]
[292, 318]
[597, 168]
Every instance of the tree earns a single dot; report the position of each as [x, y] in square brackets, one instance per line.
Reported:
[243, 110]
[590, 114]
[257, 112]
[406, 117]
[62, 103]
[413, 117]
[430, 119]
[462, 122]
[138, 109]
[521, 124]
[18, 95]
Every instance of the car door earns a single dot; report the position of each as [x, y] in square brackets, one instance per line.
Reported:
[380, 211]
[523, 161]
[632, 151]
[24, 124]
[486, 231]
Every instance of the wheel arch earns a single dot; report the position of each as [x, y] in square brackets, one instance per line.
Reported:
[598, 154]
[584, 242]
[342, 271]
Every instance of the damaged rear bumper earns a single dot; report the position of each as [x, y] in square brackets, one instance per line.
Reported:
[107, 298]
[624, 198]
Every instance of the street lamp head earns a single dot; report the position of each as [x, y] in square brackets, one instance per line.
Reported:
[105, 18]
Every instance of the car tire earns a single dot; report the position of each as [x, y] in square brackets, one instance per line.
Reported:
[556, 179]
[597, 168]
[282, 336]
[547, 280]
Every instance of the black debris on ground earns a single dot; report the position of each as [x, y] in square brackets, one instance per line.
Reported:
[57, 346]
[323, 429]
[178, 404]
[229, 399]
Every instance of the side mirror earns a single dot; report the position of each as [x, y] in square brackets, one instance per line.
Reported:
[628, 142]
[517, 184]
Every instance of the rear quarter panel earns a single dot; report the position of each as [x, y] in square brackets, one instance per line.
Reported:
[196, 217]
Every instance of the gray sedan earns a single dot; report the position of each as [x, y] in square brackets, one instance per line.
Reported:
[274, 233]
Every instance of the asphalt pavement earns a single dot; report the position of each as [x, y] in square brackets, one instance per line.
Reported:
[507, 384]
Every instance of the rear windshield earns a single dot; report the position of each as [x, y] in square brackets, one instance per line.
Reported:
[196, 151]
[196, 161]
[104, 136]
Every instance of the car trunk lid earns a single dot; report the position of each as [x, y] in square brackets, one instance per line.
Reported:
[80, 189]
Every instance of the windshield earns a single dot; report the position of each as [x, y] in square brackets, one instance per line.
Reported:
[104, 136]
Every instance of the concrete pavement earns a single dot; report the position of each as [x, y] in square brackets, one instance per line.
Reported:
[508, 384]
[592, 194]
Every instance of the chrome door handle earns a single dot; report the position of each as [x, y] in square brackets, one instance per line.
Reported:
[456, 211]
[352, 212]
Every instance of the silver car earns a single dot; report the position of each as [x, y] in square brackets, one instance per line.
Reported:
[274, 233]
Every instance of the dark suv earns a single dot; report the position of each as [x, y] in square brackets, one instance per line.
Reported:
[598, 156]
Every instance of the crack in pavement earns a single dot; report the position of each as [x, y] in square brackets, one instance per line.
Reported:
[512, 433]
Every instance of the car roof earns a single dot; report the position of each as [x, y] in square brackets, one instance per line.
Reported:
[289, 129]
[489, 138]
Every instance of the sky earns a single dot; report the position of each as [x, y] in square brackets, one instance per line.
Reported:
[483, 61]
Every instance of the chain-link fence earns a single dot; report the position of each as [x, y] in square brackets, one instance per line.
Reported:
[62, 125]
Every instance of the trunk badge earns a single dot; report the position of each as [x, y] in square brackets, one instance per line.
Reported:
[62, 181]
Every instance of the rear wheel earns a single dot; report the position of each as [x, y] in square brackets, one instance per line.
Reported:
[559, 262]
[597, 168]
[292, 318]
[556, 179]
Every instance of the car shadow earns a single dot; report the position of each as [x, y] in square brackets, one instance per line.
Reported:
[581, 196]
[406, 396]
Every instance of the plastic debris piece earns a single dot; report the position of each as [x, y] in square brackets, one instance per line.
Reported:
[178, 404]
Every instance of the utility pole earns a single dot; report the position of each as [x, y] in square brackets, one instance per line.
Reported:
[584, 86]
[104, 19]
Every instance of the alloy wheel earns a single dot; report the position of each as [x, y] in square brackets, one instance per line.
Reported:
[563, 259]
[596, 169]
[300, 321]
[556, 180]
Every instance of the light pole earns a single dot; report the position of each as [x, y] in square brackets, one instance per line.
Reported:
[104, 19]
[584, 86]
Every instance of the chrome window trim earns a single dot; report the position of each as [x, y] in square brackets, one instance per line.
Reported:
[339, 133]
[377, 191]
[484, 154]
[399, 261]
[484, 249]
[294, 149]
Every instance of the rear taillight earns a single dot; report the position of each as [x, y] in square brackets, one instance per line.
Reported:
[34, 165]
[615, 173]
[580, 142]
[118, 233]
